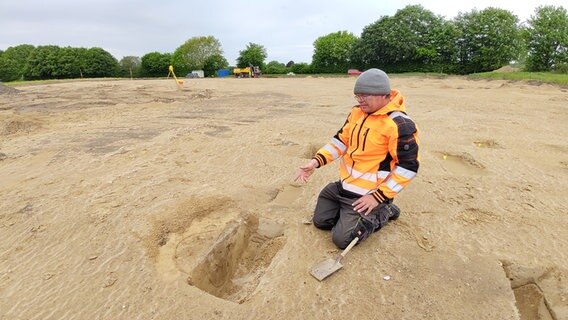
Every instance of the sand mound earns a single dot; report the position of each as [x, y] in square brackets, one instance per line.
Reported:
[508, 68]
[8, 90]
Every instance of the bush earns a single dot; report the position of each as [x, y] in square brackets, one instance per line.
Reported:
[302, 68]
[274, 67]
[561, 68]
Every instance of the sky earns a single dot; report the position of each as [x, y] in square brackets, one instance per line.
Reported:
[286, 29]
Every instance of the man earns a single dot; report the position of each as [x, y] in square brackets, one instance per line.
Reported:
[377, 149]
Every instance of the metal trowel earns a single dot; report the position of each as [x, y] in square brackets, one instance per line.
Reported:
[326, 268]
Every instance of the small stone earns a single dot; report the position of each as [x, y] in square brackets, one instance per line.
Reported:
[93, 257]
[386, 278]
[110, 280]
[48, 276]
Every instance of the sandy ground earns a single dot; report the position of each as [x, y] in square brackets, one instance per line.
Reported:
[142, 200]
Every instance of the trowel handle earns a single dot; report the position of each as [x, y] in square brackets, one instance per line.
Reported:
[351, 245]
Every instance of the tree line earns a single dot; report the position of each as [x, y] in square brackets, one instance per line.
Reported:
[414, 39]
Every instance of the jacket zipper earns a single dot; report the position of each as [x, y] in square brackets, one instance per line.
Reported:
[365, 138]
[350, 141]
[358, 135]
[352, 132]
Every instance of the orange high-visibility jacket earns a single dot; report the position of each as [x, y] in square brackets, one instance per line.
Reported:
[378, 152]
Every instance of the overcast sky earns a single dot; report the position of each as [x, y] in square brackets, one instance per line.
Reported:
[287, 29]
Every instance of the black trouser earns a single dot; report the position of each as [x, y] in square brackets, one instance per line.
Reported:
[334, 211]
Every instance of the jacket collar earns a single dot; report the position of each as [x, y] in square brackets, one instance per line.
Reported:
[396, 104]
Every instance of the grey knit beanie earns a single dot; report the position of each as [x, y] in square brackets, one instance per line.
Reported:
[373, 81]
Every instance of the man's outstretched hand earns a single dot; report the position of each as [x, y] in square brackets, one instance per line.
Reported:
[305, 171]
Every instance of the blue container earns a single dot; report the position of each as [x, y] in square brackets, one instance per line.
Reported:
[223, 73]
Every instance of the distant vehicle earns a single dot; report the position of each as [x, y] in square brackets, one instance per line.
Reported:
[353, 72]
[195, 74]
[200, 73]
[248, 72]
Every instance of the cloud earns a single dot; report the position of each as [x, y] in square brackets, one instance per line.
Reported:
[129, 27]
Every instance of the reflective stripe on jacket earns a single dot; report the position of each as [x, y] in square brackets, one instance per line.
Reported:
[378, 152]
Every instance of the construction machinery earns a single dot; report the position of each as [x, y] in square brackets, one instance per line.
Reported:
[248, 72]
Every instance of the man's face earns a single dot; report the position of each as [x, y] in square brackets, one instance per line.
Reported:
[371, 103]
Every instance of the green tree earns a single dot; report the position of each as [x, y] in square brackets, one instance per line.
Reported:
[53, 62]
[155, 64]
[81, 62]
[274, 67]
[214, 63]
[100, 63]
[332, 52]
[14, 61]
[254, 54]
[302, 68]
[547, 39]
[194, 53]
[408, 41]
[370, 50]
[129, 66]
[42, 63]
[489, 39]
[8, 69]
[67, 62]
[444, 38]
